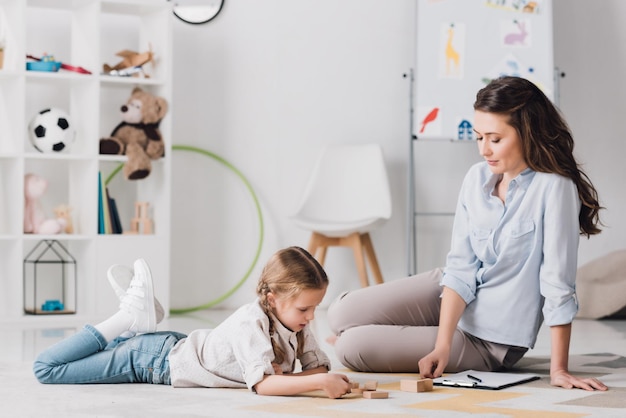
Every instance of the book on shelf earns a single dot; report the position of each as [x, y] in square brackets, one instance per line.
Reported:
[100, 206]
[108, 216]
[116, 224]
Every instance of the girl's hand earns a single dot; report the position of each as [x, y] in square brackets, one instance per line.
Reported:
[334, 384]
[277, 369]
[565, 380]
[433, 364]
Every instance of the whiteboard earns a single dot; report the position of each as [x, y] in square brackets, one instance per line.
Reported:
[462, 44]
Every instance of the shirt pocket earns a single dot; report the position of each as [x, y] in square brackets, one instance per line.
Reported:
[479, 239]
[517, 240]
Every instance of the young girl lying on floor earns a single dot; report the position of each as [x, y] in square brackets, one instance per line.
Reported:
[256, 347]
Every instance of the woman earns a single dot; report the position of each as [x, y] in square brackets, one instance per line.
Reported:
[512, 263]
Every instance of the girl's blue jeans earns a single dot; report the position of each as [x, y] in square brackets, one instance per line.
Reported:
[86, 358]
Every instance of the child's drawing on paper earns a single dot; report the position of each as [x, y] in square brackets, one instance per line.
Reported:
[524, 6]
[510, 65]
[428, 120]
[516, 33]
[452, 47]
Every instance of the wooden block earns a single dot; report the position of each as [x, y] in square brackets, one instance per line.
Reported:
[370, 385]
[354, 385]
[375, 394]
[422, 385]
[357, 390]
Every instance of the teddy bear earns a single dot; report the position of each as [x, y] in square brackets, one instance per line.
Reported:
[138, 135]
[35, 222]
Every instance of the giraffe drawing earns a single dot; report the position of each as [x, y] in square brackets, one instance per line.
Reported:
[452, 55]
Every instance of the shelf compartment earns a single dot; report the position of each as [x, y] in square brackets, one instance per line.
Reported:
[136, 26]
[127, 193]
[74, 25]
[50, 279]
[71, 182]
[75, 96]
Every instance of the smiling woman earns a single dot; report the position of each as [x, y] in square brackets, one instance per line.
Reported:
[197, 11]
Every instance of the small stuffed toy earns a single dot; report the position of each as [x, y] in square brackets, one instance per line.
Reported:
[35, 222]
[64, 212]
[138, 135]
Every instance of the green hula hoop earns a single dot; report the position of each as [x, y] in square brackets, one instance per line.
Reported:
[257, 205]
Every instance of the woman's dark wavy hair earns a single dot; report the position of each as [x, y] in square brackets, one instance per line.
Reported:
[547, 143]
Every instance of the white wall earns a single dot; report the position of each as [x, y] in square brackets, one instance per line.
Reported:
[267, 84]
[590, 47]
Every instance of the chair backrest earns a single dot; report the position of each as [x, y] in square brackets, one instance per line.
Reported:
[349, 182]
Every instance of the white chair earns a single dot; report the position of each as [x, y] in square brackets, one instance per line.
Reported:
[346, 197]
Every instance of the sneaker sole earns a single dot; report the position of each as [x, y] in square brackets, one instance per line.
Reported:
[142, 269]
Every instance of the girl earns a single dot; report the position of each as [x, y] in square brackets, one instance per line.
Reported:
[256, 347]
[512, 263]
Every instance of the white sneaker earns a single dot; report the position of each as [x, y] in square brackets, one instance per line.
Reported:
[139, 300]
[118, 273]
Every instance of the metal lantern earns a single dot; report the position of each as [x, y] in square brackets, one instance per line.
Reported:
[49, 280]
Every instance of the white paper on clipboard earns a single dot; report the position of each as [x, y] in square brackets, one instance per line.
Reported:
[484, 380]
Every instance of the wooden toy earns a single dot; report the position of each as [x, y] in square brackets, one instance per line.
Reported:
[131, 62]
[421, 385]
[375, 394]
[141, 223]
[370, 385]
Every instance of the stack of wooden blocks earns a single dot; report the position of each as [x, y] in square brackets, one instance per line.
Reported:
[370, 390]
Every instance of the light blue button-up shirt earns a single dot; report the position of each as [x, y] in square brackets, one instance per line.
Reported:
[514, 263]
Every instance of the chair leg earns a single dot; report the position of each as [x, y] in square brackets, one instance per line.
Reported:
[318, 243]
[371, 255]
[313, 245]
[361, 245]
[354, 241]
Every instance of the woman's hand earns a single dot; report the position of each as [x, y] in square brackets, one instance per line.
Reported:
[565, 380]
[433, 364]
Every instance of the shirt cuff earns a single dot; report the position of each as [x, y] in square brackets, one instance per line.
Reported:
[254, 373]
[560, 315]
[459, 286]
[311, 360]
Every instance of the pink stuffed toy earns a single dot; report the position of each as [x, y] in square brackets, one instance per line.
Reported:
[35, 221]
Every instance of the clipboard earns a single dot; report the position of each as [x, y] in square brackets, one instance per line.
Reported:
[484, 380]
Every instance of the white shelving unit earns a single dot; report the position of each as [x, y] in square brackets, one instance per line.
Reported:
[81, 33]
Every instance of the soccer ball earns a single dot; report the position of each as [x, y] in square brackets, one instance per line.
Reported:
[51, 131]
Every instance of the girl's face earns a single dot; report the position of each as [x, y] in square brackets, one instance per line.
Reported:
[295, 312]
[499, 144]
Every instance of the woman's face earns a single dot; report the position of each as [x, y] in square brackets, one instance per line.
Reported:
[499, 144]
[296, 312]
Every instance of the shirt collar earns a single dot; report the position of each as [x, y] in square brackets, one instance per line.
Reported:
[282, 330]
[522, 180]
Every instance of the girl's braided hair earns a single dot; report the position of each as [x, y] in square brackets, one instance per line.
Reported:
[287, 273]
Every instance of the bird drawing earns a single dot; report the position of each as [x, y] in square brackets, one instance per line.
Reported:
[432, 115]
